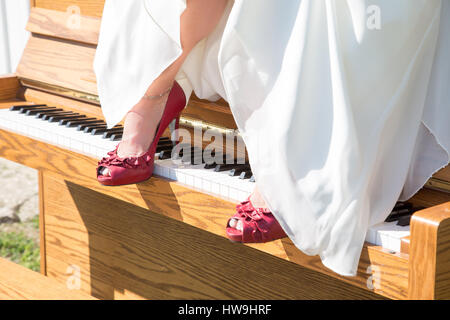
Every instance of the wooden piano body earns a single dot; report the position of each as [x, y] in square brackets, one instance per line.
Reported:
[163, 240]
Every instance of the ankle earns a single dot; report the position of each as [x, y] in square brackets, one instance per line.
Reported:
[257, 200]
[131, 147]
[145, 108]
[156, 97]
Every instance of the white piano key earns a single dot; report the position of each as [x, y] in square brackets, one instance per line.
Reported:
[388, 235]
[233, 193]
[215, 188]
[206, 185]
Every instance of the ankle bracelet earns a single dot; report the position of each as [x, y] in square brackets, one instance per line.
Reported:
[155, 97]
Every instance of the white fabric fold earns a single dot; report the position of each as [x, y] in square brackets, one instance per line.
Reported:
[340, 121]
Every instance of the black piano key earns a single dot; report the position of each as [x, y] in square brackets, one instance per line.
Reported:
[402, 205]
[179, 149]
[44, 108]
[69, 117]
[210, 165]
[116, 137]
[103, 130]
[78, 123]
[109, 133]
[89, 128]
[47, 117]
[58, 118]
[212, 160]
[214, 163]
[400, 210]
[238, 170]
[28, 106]
[160, 148]
[165, 154]
[40, 114]
[228, 167]
[193, 157]
[396, 215]
[74, 122]
[82, 127]
[52, 111]
[224, 162]
[33, 112]
[165, 142]
[404, 221]
[246, 175]
[47, 114]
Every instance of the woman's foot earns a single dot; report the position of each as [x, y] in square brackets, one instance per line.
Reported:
[253, 222]
[133, 159]
[140, 127]
[257, 201]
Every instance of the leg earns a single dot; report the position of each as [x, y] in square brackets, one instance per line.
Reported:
[198, 21]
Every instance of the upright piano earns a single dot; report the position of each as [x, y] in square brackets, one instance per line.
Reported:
[165, 238]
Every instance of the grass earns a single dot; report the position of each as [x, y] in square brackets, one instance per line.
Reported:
[17, 247]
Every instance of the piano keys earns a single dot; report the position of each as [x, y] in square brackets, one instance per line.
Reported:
[82, 134]
[87, 135]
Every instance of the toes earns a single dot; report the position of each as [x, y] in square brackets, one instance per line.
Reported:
[240, 225]
[232, 223]
[236, 224]
[105, 172]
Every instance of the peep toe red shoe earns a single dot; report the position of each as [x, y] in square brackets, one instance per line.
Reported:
[132, 170]
[258, 225]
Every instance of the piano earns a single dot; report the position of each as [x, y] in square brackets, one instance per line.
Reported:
[165, 238]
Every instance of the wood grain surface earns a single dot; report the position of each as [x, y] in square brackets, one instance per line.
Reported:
[57, 24]
[38, 96]
[124, 251]
[87, 7]
[20, 283]
[443, 174]
[59, 63]
[9, 87]
[429, 270]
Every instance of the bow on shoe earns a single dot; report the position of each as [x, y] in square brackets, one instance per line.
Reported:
[129, 163]
[254, 224]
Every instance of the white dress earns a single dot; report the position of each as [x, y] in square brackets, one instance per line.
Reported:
[341, 118]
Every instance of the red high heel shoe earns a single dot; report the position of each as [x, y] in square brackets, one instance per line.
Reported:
[258, 224]
[132, 170]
